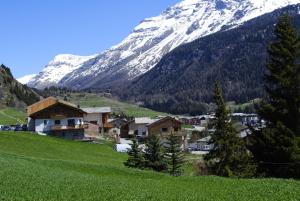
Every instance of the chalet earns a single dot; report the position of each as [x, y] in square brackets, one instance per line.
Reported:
[139, 126]
[120, 127]
[56, 117]
[118, 123]
[165, 126]
[96, 120]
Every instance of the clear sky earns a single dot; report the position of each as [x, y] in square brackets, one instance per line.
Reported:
[32, 32]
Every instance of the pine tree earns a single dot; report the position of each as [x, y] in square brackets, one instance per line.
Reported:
[276, 147]
[229, 156]
[174, 156]
[135, 156]
[154, 154]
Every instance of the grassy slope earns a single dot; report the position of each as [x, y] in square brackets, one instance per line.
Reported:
[94, 100]
[10, 116]
[43, 168]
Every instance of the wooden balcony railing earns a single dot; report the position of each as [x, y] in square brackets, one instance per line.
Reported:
[70, 127]
[176, 133]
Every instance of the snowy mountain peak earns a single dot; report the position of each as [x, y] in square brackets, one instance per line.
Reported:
[25, 79]
[152, 39]
[58, 68]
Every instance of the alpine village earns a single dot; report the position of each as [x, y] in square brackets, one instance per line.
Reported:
[201, 102]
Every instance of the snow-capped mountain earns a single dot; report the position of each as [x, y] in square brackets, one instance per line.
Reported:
[153, 38]
[25, 79]
[60, 66]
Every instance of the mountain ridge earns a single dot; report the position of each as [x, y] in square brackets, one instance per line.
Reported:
[155, 37]
[185, 77]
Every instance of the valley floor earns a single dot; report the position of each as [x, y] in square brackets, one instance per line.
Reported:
[43, 168]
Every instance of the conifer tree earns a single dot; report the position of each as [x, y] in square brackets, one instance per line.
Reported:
[229, 156]
[154, 154]
[174, 156]
[135, 156]
[276, 147]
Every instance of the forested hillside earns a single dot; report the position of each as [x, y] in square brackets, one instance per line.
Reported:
[13, 93]
[183, 80]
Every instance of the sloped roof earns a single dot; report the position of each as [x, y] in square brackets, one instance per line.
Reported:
[164, 119]
[91, 110]
[144, 120]
[49, 102]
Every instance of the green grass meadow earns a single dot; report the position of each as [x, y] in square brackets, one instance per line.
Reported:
[95, 100]
[43, 168]
[11, 116]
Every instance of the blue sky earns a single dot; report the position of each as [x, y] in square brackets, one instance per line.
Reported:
[34, 31]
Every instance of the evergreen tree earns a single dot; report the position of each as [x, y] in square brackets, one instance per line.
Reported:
[174, 156]
[135, 156]
[229, 156]
[276, 147]
[154, 154]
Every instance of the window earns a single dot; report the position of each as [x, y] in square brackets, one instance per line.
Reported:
[71, 122]
[164, 129]
[144, 133]
[57, 122]
[45, 122]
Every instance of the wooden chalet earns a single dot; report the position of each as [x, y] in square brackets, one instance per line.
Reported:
[167, 126]
[96, 119]
[56, 117]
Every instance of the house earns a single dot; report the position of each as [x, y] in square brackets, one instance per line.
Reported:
[247, 119]
[56, 117]
[96, 120]
[167, 126]
[120, 127]
[139, 126]
[203, 144]
[164, 126]
[190, 120]
[118, 123]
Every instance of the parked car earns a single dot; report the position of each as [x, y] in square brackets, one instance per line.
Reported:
[24, 127]
[1, 127]
[18, 128]
[6, 128]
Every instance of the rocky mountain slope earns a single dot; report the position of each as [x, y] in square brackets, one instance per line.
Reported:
[151, 40]
[185, 77]
[13, 93]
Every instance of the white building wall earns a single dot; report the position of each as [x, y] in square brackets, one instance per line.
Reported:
[94, 117]
[139, 127]
[41, 127]
[142, 128]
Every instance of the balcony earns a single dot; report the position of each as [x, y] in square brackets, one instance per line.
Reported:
[176, 133]
[69, 127]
